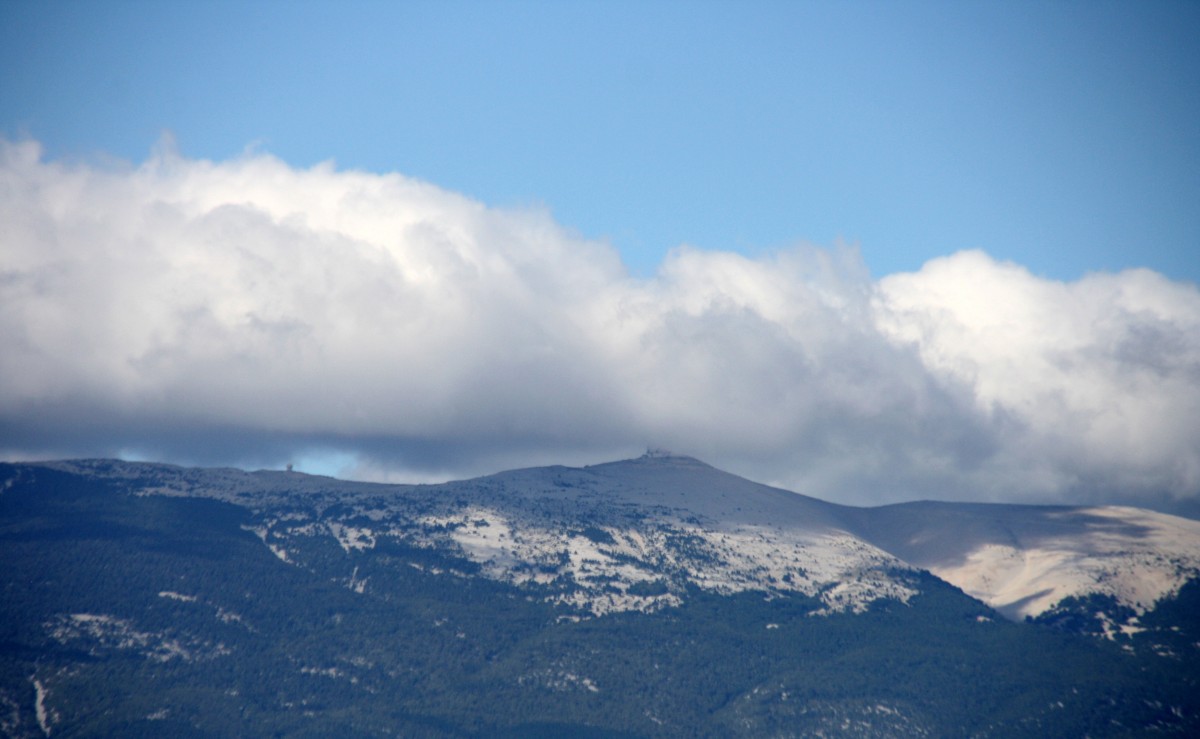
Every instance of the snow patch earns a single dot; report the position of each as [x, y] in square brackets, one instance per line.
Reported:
[229, 617]
[560, 681]
[356, 585]
[102, 632]
[351, 539]
[44, 716]
[261, 532]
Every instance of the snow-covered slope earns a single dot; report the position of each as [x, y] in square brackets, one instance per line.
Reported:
[630, 535]
[671, 520]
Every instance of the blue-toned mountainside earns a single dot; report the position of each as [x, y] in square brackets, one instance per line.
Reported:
[648, 597]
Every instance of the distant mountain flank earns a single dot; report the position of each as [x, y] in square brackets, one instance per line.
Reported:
[1025, 560]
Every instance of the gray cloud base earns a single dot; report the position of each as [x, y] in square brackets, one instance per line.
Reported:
[247, 313]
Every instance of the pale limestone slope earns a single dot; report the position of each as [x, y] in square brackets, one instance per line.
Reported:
[1023, 560]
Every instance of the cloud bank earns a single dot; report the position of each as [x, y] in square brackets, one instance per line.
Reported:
[250, 313]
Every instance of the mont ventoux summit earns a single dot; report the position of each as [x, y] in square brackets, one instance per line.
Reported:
[655, 596]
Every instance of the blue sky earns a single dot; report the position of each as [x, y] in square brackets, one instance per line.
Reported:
[1063, 136]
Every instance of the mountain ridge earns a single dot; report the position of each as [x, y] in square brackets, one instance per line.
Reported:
[1021, 559]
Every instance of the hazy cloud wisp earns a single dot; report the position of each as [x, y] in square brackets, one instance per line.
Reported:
[247, 312]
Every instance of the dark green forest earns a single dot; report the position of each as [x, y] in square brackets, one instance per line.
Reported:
[167, 616]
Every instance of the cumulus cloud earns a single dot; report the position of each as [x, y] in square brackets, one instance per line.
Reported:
[248, 312]
[1093, 387]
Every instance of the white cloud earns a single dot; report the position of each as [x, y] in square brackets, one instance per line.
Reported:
[1099, 379]
[249, 312]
